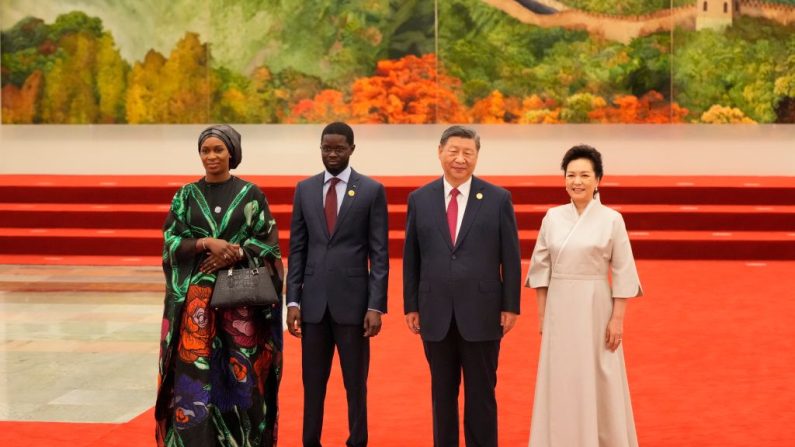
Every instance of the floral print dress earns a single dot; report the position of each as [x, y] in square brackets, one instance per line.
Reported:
[219, 370]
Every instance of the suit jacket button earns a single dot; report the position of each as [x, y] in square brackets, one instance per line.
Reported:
[454, 257]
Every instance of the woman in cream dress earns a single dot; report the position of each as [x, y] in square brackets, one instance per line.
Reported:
[581, 395]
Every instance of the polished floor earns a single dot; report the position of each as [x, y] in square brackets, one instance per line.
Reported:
[78, 344]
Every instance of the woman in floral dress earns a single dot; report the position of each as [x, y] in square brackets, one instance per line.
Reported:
[219, 369]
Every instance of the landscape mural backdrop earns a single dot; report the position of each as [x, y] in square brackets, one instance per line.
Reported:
[397, 61]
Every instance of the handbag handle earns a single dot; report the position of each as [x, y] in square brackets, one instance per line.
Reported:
[254, 268]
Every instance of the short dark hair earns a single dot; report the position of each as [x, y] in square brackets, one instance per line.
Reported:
[586, 152]
[338, 128]
[462, 132]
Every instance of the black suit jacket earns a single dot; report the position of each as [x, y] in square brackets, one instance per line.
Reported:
[476, 279]
[331, 270]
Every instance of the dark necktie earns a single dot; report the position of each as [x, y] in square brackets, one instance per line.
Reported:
[452, 213]
[331, 204]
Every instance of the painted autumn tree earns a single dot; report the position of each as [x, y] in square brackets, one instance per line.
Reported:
[496, 109]
[110, 73]
[651, 108]
[143, 103]
[407, 91]
[185, 82]
[326, 106]
[69, 86]
[174, 90]
[26, 55]
[725, 115]
[19, 104]
[72, 72]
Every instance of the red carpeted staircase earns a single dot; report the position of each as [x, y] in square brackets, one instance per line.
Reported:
[117, 219]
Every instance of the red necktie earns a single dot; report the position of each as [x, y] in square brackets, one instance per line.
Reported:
[452, 213]
[331, 204]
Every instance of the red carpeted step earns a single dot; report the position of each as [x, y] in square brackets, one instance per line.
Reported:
[525, 189]
[120, 216]
[646, 245]
[638, 217]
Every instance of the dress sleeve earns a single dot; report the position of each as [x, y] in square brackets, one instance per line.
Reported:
[178, 238]
[625, 280]
[262, 242]
[540, 262]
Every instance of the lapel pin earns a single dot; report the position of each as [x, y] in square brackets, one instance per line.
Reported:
[479, 196]
[351, 193]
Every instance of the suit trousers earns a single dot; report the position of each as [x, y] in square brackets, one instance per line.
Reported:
[478, 361]
[317, 343]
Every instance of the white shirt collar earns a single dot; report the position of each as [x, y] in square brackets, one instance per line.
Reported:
[345, 175]
[462, 188]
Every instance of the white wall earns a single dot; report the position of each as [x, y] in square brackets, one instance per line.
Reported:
[403, 149]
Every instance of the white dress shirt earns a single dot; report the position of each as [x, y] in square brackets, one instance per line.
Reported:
[462, 199]
[344, 176]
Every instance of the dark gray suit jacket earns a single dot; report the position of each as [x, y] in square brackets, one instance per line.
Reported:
[476, 279]
[331, 270]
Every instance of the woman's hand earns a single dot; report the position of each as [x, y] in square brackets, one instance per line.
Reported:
[614, 333]
[221, 254]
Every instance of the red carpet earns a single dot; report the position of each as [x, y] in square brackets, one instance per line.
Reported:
[117, 219]
[708, 349]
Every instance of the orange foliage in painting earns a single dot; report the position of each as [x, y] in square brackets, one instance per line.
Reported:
[19, 104]
[407, 91]
[326, 106]
[651, 108]
[496, 109]
[539, 111]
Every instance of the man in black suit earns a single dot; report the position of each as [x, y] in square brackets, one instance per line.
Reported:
[339, 224]
[461, 282]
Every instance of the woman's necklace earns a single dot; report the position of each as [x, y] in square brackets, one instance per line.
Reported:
[208, 193]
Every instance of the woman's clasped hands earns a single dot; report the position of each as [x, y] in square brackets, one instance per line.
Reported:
[220, 254]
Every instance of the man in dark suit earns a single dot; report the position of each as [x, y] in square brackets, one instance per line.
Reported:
[339, 225]
[461, 282]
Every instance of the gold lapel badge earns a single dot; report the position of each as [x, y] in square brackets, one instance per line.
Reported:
[351, 193]
[479, 196]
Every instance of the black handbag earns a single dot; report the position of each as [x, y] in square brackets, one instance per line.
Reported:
[250, 286]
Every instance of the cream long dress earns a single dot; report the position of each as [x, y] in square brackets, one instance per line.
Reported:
[581, 395]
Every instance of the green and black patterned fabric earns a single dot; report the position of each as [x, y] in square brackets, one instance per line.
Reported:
[219, 370]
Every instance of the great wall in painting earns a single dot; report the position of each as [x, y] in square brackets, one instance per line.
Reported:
[625, 28]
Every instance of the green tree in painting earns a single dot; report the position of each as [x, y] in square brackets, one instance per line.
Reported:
[347, 38]
[785, 90]
[736, 68]
[232, 100]
[471, 34]
[554, 63]
[75, 22]
[578, 106]
[29, 32]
